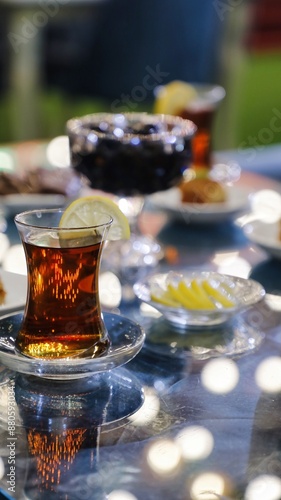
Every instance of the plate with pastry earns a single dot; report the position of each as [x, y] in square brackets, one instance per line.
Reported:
[266, 235]
[13, 289]
[37, 188]
[203, 200]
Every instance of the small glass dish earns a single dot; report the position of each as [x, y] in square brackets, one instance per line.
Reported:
[242, 292]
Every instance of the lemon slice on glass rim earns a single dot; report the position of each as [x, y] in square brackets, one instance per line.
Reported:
[84, 212]
[174, 97]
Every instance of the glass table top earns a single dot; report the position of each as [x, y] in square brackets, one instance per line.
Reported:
[171, 423]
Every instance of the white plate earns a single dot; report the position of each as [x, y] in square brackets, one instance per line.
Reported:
[266, 235]
[15, 286]
[170, 201]
[13, 204]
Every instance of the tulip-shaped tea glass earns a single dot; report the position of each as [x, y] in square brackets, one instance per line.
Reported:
[131, 155]
[62, 317]
[201, 110]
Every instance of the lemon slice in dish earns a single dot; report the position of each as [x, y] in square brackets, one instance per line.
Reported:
[174, 97]
[85, 212]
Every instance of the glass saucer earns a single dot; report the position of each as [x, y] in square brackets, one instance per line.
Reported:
[106, 399]
[126, 337]
[235, 338]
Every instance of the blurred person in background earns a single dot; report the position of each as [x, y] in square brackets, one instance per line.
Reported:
[110, 55]
[134, 44]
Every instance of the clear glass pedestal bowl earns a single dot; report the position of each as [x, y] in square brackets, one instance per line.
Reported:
[129, 156]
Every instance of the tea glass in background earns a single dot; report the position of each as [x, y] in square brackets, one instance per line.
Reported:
[62, 316]
[201, 110]
[129, 156]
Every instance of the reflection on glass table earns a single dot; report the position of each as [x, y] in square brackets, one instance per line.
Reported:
[62, 425]
[233, 339]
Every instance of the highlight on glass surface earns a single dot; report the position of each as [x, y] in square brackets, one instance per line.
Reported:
[195, 102]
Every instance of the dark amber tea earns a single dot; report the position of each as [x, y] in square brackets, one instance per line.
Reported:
[201, 142]
[62, 316]
[201, 111]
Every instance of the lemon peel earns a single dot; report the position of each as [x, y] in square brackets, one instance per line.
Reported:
[87, 212]
[217, 295]
[165, 299]
[180, 297]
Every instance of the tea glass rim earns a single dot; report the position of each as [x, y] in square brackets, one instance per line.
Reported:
[208, 93]
[19, 220]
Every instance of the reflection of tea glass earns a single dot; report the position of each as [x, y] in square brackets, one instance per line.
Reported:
[62, 317]
[131, 155]
[201, 111]
[64, 422]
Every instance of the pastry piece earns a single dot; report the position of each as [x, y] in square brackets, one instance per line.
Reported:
[12, 183]
[58, 181]
[2, 292]
[41, 180]
[202, 190]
